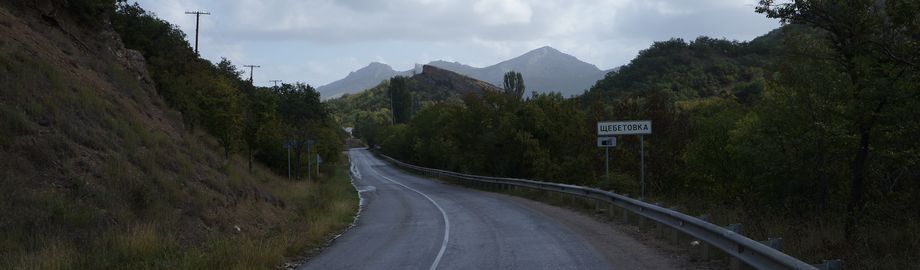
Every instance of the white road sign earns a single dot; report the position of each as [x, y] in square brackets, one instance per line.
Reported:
[624, 128]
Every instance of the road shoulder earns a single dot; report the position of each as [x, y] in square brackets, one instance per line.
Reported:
[623, 246]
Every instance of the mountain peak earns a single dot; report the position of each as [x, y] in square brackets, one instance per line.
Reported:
[546, 53]
[357, 80]
[377, 66]
[547, 49]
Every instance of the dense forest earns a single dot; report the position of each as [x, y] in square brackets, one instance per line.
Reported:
[805, 133]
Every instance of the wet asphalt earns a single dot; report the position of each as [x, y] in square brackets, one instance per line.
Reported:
[407, 222]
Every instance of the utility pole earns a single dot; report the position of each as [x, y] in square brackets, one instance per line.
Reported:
[197, 20]
[275, 81]
[251, 69]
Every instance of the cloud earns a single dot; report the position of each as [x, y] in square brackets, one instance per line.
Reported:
[500, 12]
[607, 33]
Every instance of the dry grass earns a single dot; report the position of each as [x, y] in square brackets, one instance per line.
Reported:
[303, 227]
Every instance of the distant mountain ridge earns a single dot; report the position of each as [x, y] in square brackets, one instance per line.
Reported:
[358, 80]
[544, 70]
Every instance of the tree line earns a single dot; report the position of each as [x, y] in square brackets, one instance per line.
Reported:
[253, 121]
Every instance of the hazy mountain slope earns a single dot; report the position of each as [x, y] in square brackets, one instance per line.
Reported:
[547, 70]
[544, 69]
[358, 80]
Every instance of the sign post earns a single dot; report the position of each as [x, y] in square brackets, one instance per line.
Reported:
[606, 143]
[318, 161]
[288, 145]
[309, 146]
[642, 165]
[640, 128]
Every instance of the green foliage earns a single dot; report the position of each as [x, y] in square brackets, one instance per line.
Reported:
[863, 62]
[214, 97]
[514, 84]
[705, 67]
[532, 138]
[400, 99]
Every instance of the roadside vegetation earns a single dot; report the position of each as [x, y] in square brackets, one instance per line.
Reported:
[163, 162]
[806, 133]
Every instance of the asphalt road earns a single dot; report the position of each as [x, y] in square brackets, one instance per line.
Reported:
[412, 223]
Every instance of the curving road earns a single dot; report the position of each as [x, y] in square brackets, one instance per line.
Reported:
[412, 223]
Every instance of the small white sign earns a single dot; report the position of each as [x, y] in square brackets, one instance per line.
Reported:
[624, 128]
[606, 141]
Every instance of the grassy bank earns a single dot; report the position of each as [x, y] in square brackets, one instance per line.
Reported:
[312, 212]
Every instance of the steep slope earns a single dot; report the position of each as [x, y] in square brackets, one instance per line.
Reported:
[98, 173]
[435, 84]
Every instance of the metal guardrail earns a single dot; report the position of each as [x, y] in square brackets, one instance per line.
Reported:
[751, 252]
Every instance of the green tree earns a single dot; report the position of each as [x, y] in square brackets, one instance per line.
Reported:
[303, 114]
[400, 99]
[514, 85]
[222, 111]
[873, 46]
[262, 121]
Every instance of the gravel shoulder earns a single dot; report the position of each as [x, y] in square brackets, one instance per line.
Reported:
[623, 246]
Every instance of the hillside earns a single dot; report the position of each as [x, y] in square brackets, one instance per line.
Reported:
[701, 68]
[544, 70]
[433, 85]
[99, 173]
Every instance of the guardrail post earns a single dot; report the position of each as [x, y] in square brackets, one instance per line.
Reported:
[774, 243]
[704, 247]
[675, 233]
[735, 263]
[610, 211]
[641, 219]
[610, 208]
[625, 216]
[659, 229]
[830, 265]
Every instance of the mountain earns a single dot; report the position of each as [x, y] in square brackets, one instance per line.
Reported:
[544, 69]
[437, 84]
[431, 85]
[358, 80]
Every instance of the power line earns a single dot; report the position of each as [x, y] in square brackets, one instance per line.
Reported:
[276, 82]
[197, 20]
[251, 69]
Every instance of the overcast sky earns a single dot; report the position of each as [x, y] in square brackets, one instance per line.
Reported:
[320, 41]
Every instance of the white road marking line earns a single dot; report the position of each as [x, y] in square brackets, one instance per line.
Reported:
[434, 265]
